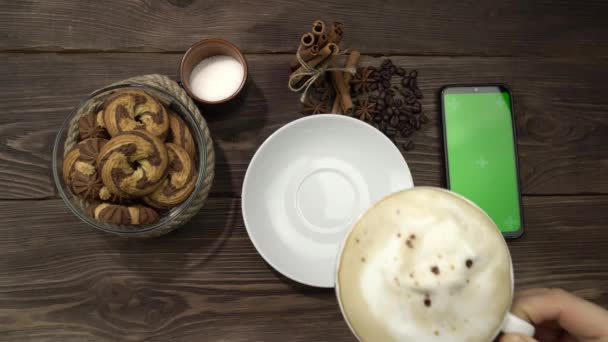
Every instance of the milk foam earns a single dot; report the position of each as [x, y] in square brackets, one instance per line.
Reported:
[425, 265]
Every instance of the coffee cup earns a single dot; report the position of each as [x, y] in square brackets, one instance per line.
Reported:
[426, 264]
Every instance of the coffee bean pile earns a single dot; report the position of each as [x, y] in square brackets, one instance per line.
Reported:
[386, 97]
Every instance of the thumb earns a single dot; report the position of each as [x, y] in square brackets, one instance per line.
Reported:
[517, 338]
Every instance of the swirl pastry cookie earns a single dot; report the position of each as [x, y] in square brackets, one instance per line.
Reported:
[180, 134]
[121, 214]
[106, 195]
[133, 163]
[89, 128]
[79, 171]
[180, 181]
[132, 109]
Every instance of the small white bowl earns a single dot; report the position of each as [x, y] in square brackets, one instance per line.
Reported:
[308, 183]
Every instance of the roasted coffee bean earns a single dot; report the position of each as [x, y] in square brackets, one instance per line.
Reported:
[402, 117]
[386, 84]
[416, 108]
[381, 94]
[405, 111]
[418, 93]
[405, 82]
[391, 132]
[408, 146]
[385, 117]
[393, 69]
[400, 71]
[424, 119]
[387, 63]
[398, 102]
[411, 100]
[417, 125]
[413, 84]
[390, 111]
[390, 91]
[413, 74]
[406, 92]
[377, 118]
[394, 121]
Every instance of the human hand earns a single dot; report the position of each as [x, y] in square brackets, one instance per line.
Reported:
[559, 316]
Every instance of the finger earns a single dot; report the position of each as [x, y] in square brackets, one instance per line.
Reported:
[567, 338]
[516, 338]
[575, 315]
[531, 292]
[546, 334]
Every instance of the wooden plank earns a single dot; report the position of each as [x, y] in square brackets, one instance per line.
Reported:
[64, 280]
[503, 28]
[562, 115]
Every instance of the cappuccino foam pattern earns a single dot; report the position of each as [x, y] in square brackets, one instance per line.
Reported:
[425, 265]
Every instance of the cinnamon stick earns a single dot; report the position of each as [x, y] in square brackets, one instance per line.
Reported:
[342, 91]
[307, 40]
[321, 40]
[318, 27]
[306, 55]
[325, 55]
[351, 62]
[336, 30]
[337, 108]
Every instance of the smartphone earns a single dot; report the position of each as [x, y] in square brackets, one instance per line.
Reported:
[481, 151]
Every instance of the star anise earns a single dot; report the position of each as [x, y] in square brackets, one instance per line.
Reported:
[326, 92]
[363, 80]
[365, 110]
[313, 106]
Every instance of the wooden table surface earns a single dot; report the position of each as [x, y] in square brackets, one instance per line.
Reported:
[61, 280]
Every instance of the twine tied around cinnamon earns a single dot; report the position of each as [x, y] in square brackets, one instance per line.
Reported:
[314, 72]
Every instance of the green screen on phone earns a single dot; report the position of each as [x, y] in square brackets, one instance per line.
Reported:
[481, 152]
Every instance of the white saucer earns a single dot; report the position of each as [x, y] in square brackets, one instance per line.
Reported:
[306, 185]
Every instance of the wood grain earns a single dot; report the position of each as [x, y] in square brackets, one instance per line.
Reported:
[561, 109]
[495, 28]
[62, 280]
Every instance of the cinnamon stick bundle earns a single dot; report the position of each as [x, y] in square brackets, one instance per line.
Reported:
[351, 63]
[325, 55]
